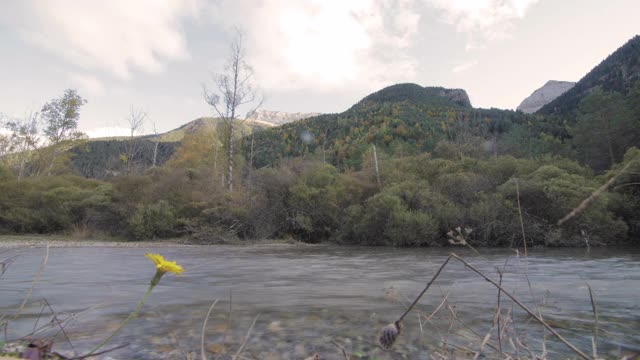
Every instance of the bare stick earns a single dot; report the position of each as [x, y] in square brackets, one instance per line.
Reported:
[59, 323]
[344, 352]
[594, 306]
[585, 203]
[98, 353]
[425, 289]
[499, 313]
[228, 328]
[204, 326]
[33, 284]
[439, 306]
[524, 237]
[244, 342]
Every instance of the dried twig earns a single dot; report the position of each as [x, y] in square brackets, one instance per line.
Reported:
[97, 353]
[59, 323]
[33, 284]
[344, 352]
[525, 308]
[204, 327]
[244, 342]
[594, 306]
[524, 237]
[585, 203]
[424, 290]
[512, 297]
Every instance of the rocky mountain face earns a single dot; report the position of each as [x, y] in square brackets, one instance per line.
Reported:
[278, 117]
[544, 95]
[458, 96]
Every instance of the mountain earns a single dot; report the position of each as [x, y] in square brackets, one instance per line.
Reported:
[616, 73]
[436, 96]
[243, 127]
[278, 117]
[400, 120]
[544, 95]
[103, 158]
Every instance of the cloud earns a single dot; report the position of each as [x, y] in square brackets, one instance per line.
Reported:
[114, 36]
[464, 66]
[88, 83]
[482, 20]
[325, 44]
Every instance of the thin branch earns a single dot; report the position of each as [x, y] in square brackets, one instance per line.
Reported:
[204, 326]
[33, 284]
[244, 342]
[512, 297]
[98, 353]
[425, 289]
[585, 203]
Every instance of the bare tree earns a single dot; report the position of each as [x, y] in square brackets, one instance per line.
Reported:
[5, 137]
[136, 124]
[233, 91]
[156, 142]
[23, 139]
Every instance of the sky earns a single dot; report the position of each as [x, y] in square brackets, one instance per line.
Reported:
[307, 55]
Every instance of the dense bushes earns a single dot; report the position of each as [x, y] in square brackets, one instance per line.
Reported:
[421, 200]
[423, 197]
[151, 221]
[50, 204]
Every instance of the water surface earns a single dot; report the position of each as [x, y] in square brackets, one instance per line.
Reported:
[311, 296]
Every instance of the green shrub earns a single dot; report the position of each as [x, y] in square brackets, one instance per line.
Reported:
[151, 221]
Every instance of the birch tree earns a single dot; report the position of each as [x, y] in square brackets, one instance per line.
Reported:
[61, 118]
[233, 91]
[23, 139]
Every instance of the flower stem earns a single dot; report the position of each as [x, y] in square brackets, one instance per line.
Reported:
[131, 316]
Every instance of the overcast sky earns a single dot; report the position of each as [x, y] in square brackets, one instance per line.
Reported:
[308, 56]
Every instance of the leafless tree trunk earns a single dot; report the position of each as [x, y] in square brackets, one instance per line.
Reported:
[136, 123]
[250, 185]
[233, 91]
[375, 161]
[156, 142]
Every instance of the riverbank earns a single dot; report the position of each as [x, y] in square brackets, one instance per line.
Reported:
[64, 241]
[61, 241]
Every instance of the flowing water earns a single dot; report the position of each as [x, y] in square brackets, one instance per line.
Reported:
[310, 297]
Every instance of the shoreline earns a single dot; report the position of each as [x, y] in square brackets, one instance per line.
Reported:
[61, 241]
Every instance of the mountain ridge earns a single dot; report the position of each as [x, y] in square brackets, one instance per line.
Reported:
[617, 72]
[544, 95]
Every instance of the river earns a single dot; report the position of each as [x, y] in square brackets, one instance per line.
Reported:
[310, 298]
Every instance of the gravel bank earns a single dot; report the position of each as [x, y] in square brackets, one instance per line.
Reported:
[60, 242]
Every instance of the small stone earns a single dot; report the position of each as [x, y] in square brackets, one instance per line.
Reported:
[217, 348]
[275, 326]
[299, 350]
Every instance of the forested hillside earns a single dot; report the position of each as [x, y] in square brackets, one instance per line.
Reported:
[403, 119]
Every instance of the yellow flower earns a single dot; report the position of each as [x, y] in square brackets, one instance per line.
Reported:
[164, 266]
